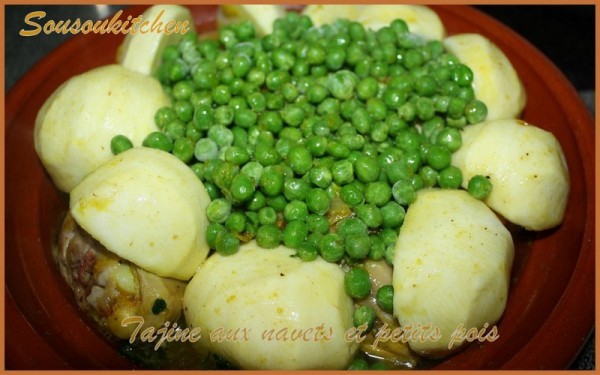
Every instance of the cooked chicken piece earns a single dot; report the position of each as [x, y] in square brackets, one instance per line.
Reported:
[109, 289]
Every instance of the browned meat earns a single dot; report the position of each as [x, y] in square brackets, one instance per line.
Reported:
[109, 288]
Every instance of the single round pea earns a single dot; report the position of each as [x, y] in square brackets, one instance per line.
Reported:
[367, 169]
[300, 159]
[159, 141]
[357, 283]
[479, 187]
[120, 143]
[218, 210]
[352, 194]
[385, 298]
[370, 214]
[462, 75]
[475, 111]
[242, 188]
[378, 193]
[257, 201]
[320, 176]
[295, 233]
[164, 116]
[268, 236]
[357, 246]
[351, 226]
[226, 243]
[388, 236]
[450, 178]
[307, 252]
[438, 157]
[212, 231]
[341, 84]
[318, 201]
[404, 193]
[364, 317]
[331, 247]
[317, 145]
[277, 202]
[317, 224]
[183, 149]
[175, 129]
[295, 210]
[450, 138]
[342, 172]
[392, 215]
[271, 181]
[206, 149]
[267, 215]
[245, 118]
[236, 222]
[377, 248]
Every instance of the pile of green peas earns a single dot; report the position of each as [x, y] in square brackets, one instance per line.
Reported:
[317, 138]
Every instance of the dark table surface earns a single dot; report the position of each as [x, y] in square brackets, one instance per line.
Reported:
[565, 33]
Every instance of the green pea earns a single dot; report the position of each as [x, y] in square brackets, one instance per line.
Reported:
[367, 169]
[307, 252]
[358, 246]
[385, 298]
[267, 215]
[357, 283]
[475, 111]
[377, 193]
[320, 176]
[438, 157]
[462, 75]
[450, 177]
[428, 176]
[257, 202]
[377, 248]
[242, 188]
[318, 201]
[212, 232]
[183, 149]
[352, 226]
[317, 145]
[266, 155]
[317, 224]
[277, 202]
[206, 149]
[450, 138]
[403, 192]
[479, 186]
[295, 210]
[337, 150]
[331, 247]
[341, 84]
[295, 233]
[370, 214]
[271, 181]
[236, 222]
[392, 215]
[159, 141]
[268, 236]
[364, 317]
[245, 118]
[218, 210]
[352, 194]
[120, 143]
[300, 159]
